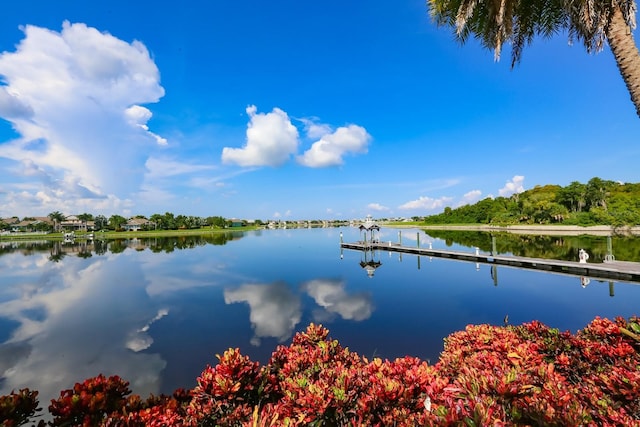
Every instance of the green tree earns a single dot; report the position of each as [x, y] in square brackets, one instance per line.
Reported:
[216, 221]
[597, 202]
[158, 220]
[182, 221]
[169, 221]
[596, 192]
[116, 221]
[57, 217]
[100, 222]
[573, 196]
[85, 217]
[42, 226]
[518, 22]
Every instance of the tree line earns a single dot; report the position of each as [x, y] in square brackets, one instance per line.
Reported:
[598, 202]
[166, 221]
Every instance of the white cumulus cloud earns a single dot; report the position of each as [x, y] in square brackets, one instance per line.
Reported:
[271, 140]
[139, 116]
[426, 203]
[470, 197]
[332, 147]
[512, 187]
[74, 98]
[11, 106]
[315, 130]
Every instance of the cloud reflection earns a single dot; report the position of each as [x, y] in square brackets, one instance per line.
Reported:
[274, 309]
[75, 320]
[332, 297]
[140, 340]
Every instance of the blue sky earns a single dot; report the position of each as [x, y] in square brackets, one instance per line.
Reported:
[290, 110]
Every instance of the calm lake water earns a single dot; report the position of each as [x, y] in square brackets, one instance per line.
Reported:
[157, 311]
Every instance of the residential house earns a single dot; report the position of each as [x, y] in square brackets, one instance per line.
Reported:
[237, 222]
[73, 223]
[32, 224]
[137, 224]
[10, 220]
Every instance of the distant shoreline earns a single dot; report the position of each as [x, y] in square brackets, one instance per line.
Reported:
[553, 230]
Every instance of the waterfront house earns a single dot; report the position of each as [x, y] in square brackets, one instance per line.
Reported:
[237, 222]
[137, 224]
[10, 220]
[73, 223]
[32, 224]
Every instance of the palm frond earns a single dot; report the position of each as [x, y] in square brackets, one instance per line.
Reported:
[495, 22]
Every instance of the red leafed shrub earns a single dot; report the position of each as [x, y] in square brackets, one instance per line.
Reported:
[225, 394]
[89, 402]
[18, 408]
[102, 401]
[529, 375]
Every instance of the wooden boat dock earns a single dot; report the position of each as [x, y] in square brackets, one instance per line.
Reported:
[610, 270]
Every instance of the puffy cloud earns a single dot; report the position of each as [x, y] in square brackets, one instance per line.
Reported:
[73, 97]
[315, 130]
[330, 149]
[139, 116]
[331, 295]
[512, 187]
[271, 140]
[275, 310]
[377, 207]
[426, 203]
[11, 106]
[470, 197]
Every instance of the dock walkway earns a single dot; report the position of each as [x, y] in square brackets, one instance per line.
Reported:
[612, 270]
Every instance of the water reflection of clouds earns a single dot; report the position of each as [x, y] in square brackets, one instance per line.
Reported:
[332, 297]
[185, 270]
[140, 340]
[275, 309]
[75, 319]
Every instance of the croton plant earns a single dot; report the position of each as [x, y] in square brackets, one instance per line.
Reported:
[526, 375]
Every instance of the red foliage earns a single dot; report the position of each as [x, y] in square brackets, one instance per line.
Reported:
[225, 394]
[487, 376]
[17, 408]
[89, 402]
